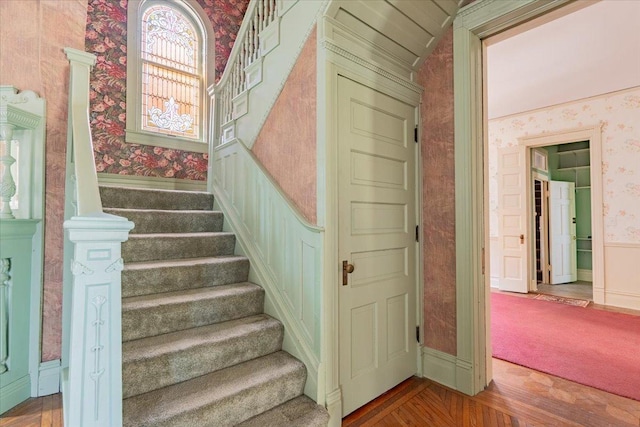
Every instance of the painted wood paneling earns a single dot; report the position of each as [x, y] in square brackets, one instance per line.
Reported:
[622, 275]
[284, 249]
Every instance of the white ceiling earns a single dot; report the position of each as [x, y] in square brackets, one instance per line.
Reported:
[588, 52]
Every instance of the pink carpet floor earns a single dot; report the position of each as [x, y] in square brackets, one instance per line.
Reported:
[593, 347]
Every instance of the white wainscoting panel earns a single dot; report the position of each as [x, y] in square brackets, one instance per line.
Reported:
[284, 250]
[622, 275]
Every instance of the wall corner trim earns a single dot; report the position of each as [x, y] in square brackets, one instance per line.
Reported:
[49, 378]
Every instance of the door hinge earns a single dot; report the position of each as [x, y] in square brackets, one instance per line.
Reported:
[417, 233]
[418, 333]
[415, 134]
[483, 261]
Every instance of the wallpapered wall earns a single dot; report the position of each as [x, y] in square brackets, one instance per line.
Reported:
[106, 37]
[619, 114]
[438, 178]
[44, 28]
[290, 157]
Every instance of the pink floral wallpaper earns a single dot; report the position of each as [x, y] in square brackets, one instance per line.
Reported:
[619, 113]
[32, 36]
[106, 37]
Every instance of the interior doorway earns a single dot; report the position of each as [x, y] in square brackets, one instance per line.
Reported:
[562, 163]
[539, 248]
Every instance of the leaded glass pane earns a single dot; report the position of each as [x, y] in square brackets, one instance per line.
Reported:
[170, 80]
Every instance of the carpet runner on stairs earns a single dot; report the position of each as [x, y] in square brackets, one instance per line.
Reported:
[197, 348]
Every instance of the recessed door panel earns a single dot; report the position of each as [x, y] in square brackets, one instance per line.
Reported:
[377, 219]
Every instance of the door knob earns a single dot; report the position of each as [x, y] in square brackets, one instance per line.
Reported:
[346, 269]
[522, 239]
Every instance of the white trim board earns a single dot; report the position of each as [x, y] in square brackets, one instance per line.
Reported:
[473, 23]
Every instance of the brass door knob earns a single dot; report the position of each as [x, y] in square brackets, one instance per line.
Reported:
[346, 269]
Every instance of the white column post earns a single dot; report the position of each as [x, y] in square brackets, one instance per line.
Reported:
[7, 184]
[93, 381]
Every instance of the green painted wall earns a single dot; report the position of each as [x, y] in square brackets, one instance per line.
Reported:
[562, 167]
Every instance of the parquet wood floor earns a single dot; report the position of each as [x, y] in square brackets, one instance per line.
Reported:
[517, 396]
[36, 412]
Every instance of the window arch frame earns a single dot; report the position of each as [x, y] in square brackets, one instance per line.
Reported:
[206, 52]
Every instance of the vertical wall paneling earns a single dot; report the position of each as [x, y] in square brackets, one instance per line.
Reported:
[285, 251]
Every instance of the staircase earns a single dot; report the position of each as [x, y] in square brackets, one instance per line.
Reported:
[197, 348]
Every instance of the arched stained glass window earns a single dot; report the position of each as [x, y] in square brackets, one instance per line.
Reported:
[171, 73]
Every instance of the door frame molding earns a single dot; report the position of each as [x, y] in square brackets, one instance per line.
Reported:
[335, 61]
[593, 134]
[472, 24]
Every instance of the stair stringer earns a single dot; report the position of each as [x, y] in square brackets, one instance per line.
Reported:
[284, 250]
[254, 104]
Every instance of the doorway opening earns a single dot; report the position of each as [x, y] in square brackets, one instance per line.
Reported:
[566, 163]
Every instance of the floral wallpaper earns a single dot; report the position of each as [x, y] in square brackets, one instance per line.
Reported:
[619, 113]
[106, 37]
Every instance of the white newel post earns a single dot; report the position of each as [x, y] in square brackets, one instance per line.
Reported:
[95, 357]
[92, 382]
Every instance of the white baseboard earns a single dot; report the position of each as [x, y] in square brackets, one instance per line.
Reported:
[334, 407]
[49, 378]
[447, 370]
[585, 275]
[111, 179]
[494, 282]
[439, 367]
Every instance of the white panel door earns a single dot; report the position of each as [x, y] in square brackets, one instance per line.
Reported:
[377, 219]
[512, 220]
[562, 232]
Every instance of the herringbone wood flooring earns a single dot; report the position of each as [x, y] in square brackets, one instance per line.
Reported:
[518, 396]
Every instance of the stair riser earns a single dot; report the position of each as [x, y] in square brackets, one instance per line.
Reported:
[171, 221]
[150, 248]
[168, 279]
[225, 412]
[184, 364]
[299, 412]
[156, 320]
[114, 197]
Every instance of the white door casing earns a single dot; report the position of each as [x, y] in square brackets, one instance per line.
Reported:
[512, 221]
[562, 232]
[377, 219]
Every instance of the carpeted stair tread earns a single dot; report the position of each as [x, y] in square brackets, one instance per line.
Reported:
[155, 362]
[170, 221]
[298, 412]
[148, 277]
[222, 398]
[140, 198]
[150, 315]
[149, 247]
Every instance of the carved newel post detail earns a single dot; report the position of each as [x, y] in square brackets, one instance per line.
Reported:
[7, 184]
[95, 359]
